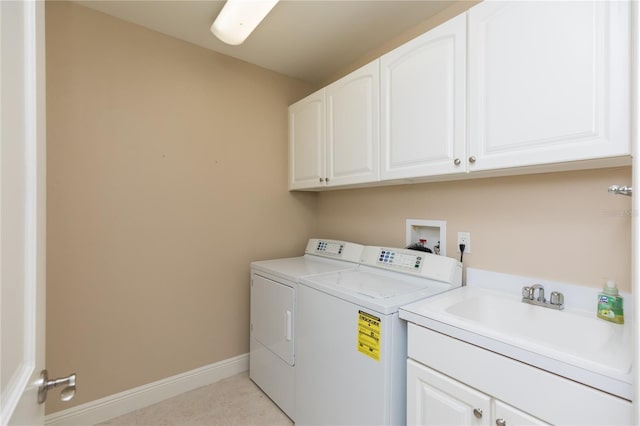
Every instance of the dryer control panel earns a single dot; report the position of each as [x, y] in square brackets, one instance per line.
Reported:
[343, 250]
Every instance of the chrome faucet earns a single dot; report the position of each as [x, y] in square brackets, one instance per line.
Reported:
[532, 293]
[529, 293]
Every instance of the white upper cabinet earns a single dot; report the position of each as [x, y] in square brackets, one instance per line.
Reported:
[353, 117]
[334, 133]
[306, 142]
[509, 87]
[548, 82]
[423, 104]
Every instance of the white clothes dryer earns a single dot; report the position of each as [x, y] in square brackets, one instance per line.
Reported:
[272, 358]
[351, 346]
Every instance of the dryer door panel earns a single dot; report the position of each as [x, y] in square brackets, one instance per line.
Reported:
[272, 316]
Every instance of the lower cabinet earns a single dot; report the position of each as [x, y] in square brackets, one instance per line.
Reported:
[436, 399]
[453, 382]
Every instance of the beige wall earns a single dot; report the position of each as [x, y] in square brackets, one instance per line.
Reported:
[167, 175]
[557, 226]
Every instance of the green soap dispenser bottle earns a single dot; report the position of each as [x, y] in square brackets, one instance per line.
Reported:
[610, 303]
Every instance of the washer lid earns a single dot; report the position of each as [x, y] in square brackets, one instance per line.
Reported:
[382, 291]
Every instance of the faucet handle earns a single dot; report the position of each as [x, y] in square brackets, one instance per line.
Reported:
[557, 298]
[526, 292]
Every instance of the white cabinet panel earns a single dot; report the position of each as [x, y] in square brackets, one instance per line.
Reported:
[334, 133]
[435, 399]
[548, 82]
[353, 127]
[306, 141]
[423, 104]
[542, 394]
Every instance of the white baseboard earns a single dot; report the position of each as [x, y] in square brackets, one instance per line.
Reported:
[121, 403]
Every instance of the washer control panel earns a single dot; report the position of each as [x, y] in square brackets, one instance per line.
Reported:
[413, 262]
[397, 260]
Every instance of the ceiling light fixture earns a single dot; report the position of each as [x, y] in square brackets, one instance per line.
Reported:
[239, 18]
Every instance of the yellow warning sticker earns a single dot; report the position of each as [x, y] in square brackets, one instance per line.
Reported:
[369, 335]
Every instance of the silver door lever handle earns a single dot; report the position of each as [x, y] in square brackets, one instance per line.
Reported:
[45, 385]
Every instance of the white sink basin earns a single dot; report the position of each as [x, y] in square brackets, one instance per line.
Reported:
[497, 320]
[573, 332]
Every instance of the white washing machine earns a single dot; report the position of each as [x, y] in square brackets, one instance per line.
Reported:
[272, 358]
[351, 345]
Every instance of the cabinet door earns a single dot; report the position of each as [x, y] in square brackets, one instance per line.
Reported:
[306, 142]
[506, 415]
[423, 104]
[353, 127]
[548, 82]
[434, 399]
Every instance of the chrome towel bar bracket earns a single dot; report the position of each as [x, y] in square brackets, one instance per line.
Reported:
[621, 190]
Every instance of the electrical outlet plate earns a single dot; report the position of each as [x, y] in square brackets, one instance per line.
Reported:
[464, 238]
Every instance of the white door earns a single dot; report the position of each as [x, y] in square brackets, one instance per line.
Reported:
[22, 217]
[434, 399]
[635, 224]
[353, 127]
[423, 104]
[635, 270]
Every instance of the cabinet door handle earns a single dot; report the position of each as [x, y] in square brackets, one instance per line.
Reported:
[321, 180]
[477, 412]
[472, 159]
[457, 161]
[501, 422]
